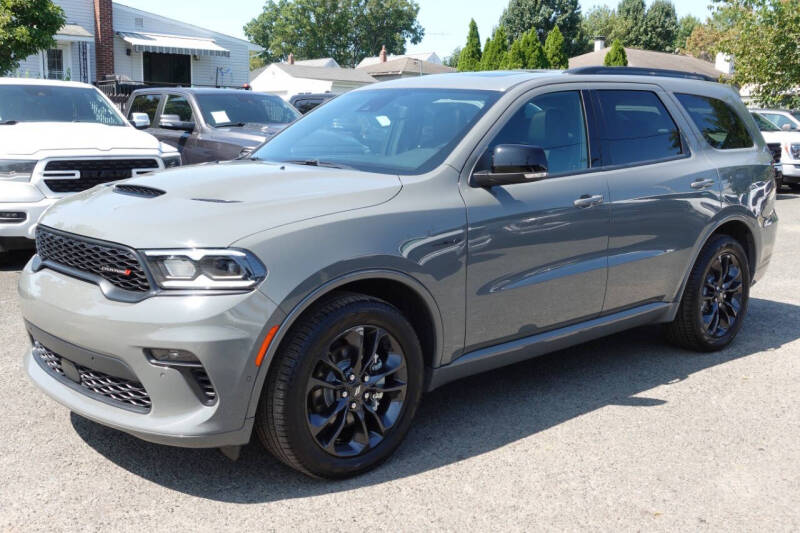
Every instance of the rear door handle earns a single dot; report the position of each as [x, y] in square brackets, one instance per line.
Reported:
[588, 201]
[702, 184]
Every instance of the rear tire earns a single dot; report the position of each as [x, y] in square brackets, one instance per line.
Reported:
[714, 302]
[343, 389]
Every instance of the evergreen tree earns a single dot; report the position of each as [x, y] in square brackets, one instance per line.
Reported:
[542, 15]
[686, 26]
[630, 27]
[616, 57]
[515, 58]
[555, 50]
[495, 53]
[487, 51]
[661, 26]
[470, 57]
[533, 51]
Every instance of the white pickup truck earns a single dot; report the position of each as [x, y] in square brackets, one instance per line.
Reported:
[785, 147]
[59, 138]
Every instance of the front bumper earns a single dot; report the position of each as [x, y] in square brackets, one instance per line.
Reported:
[791, 172]
[22, 198]
[224, 332]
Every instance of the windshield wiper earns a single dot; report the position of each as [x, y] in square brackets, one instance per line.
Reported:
[8, 123]
[230, 124]
[316, 163]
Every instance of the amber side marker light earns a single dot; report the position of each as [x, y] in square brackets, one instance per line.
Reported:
[265, 345]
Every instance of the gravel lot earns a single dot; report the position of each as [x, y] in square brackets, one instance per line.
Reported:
[625, 433]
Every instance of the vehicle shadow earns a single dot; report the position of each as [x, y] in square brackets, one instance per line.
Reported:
[463, 419]
[14, 260]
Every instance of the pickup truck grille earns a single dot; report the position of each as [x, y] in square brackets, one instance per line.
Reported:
[775, 149]
[90, 172]
[113, 262]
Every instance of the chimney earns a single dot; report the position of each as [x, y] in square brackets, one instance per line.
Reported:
[599, 43]
[291, 58]
[383, 54]
[103, 38]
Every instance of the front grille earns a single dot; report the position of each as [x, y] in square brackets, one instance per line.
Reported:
[775, 149]
[139, 190]
[92, 172]
[117, 264]
[206, 388]
[119, 390]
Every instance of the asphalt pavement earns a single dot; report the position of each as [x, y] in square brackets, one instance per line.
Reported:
[625, 433]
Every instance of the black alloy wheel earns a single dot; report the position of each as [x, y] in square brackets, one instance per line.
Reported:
[357, 391]
[722, 294]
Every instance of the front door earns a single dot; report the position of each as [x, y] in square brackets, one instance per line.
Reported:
[169, 69]
[174, 127]
[536, 256]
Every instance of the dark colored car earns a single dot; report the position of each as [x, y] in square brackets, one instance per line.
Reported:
[209, 124]
[305, 102]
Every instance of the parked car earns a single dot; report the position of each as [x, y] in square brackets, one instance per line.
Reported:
[305, 102]
[785, 148]
[209, 124]
[58, 138]
[785, 119]
[468, 222]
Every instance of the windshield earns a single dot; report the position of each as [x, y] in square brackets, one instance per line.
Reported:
[397, 131]
[764, 124]
[51, 103]
[240, 107]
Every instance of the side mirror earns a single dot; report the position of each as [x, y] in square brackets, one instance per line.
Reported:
[140, 120]
[513, 163]
[174, 122]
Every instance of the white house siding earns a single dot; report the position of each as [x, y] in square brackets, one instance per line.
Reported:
[234, 70]
[275, 81]
[80, 12]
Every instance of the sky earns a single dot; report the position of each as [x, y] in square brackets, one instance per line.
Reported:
[445, 21]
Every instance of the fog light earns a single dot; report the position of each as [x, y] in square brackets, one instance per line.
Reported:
[172, 357]
[12, 216]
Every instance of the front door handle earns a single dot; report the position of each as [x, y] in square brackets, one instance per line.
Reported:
[588, 201]
[702, 184]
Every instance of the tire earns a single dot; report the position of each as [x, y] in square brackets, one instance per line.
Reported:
[795, 187]
[316, 429]
[693, 325]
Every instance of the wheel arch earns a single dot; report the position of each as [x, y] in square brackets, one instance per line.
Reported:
[399, 289]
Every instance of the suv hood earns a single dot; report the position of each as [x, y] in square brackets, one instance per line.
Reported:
[781, 136]
[252, 133]
[216, 204]
[29, 138]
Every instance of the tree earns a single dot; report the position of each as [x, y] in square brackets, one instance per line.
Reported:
[543, 15]
[616, 57]
[661, 26]
[452, 59]
[534, 53]
[555, 50]
[26, 27]
[703, 42]
[599, 22]
[347, 30]
[515, 58]
[630, 25]
[495, 52]
[686, 26]
[764, 40]
[470, 57]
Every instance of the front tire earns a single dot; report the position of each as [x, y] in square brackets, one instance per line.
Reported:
[714, 302]
[343, 388]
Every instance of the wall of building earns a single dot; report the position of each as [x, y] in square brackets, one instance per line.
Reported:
[234, 70]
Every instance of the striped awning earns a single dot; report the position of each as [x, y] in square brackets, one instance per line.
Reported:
[172, 44]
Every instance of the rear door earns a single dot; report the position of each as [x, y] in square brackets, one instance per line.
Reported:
[663, 193]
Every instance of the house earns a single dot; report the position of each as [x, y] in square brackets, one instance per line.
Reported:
[290, 78]
[327, 62]
[404, 67]
[104, 39]
[647, 59]
[430, 57]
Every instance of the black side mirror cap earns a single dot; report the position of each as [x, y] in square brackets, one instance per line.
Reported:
[513, 163]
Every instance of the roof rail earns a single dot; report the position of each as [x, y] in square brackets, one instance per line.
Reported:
[639, 71]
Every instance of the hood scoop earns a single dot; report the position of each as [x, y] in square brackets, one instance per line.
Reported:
[217, 200]
[139, 190]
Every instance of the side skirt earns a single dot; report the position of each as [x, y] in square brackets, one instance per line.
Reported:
[526, 348]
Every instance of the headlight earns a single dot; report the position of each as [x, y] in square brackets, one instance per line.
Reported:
[795, 151]
[205, 269]
[171, 161]
[16, 169]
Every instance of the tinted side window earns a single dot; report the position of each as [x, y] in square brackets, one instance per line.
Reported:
[555, 123]
[717, 121]
[177, 108]
[145, 103]
[304, 106]
[636, 128]
[780, 120]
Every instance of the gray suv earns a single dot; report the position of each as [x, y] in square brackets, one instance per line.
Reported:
[400, 237]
